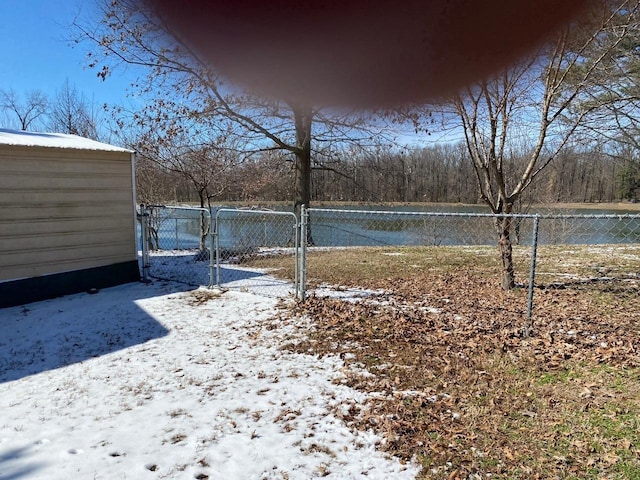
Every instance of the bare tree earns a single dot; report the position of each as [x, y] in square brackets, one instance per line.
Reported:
[615, 122]
[27, 111]
[180, 85]
[205, 166]
[265, 176]
[154, 184]
[532, 101]
[70, 112]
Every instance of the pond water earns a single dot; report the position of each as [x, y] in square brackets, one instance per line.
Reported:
[402, 225]
[454, 225]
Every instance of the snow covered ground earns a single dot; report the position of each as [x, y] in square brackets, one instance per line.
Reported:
[154, 381]
[183, 266]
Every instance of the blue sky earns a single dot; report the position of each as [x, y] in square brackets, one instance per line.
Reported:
[36, 53]
[35, 50]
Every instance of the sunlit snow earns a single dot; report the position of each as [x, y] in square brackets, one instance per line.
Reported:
[148, 381]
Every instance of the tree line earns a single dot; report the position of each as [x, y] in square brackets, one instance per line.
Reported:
[434, 174]
[380, 173]
[67, 111]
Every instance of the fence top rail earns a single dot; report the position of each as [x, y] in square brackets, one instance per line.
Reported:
[254, 211]
[481, 215]
[179, 207]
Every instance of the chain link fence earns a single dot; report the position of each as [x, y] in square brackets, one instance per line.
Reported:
[549, 251]
[246, 235]
[191, 246]
[226, 249]
[176, 244]
[599, 252]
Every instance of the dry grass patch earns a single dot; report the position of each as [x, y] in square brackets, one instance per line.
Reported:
[556, 264]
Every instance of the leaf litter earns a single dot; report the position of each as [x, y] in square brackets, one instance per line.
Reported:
[454, 382]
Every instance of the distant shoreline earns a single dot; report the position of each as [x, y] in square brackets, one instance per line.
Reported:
[615, 206]
[593, 206]
[568, 206]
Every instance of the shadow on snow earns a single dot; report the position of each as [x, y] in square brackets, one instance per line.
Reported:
[229, 274]
[46, 335]
[8, 471]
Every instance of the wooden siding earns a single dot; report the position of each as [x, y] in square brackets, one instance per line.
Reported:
[63, 210]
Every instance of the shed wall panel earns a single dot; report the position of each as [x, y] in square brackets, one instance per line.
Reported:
[64, 209]
[49, 227]
[62, 240]
[19, 266]
[90, 209]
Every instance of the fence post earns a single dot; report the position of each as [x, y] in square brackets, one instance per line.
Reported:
[296, 256]
[216, 236]
[177, 245]
[304, 218]
[212, 251]
[144, 234]
[532, 276]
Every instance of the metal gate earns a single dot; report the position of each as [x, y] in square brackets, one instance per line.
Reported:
[244, 241]
[177, 244]
[229, 250]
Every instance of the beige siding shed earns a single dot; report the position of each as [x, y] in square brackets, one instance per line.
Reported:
[67, 204]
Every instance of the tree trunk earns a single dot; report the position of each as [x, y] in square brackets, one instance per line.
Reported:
[303, 181]
[303, 117]
[503, 225]
[204, 228]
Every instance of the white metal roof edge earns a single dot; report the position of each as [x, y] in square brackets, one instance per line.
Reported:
[55, 140]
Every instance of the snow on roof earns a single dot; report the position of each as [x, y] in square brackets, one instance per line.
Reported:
[54, 140]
